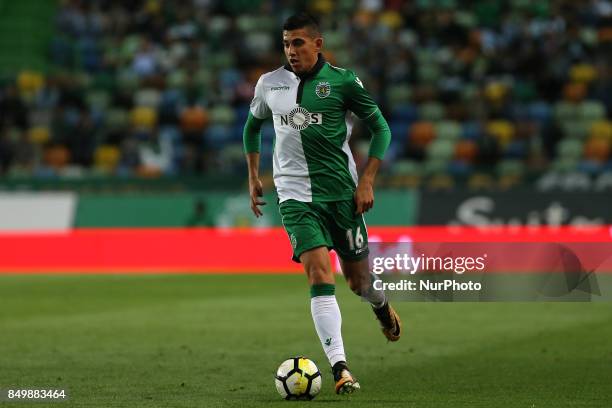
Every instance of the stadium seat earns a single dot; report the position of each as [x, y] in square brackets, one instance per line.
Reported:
[232, 155]
[570, 149]
[582, 73]
[471, 131]
[103, 81]
[597, 150]
[515, 149]
[466, 151]
[40, 117]
[143, 117]
[520, 112]
[404, 112]
[525, 92]
[229, 78]
[218, 135]
[335, 39]
[588, 35]
[127, 81]
[440, 181]
[459, 168]
[448, 130]
[495, 92]
[62, 51]
[592, 111]
[203, 78]
[564, 164]
[406, 167]
[601, 129]
[177, 78]
[170, 134]
[221, 60]
[437, 166]
[575, 129]
[342, 57]
[222, 115]
[431, 111]
[194, 119]
[39, 135]
[147, 97]
[98, 99]
[172, 98]
[242, 113]
[56, 156]
[399, 129]
[421, 134]
[566, 111]
[106, 158]
[481, 181]
[440, 149]
[429, 72]
[29, 82]
[510, 167]
[502, 130]
[246, 22]
[590, 167]
[540, 111]
[574, 91]
[470, 92]
[116, 118]
[400, 95]
[391, 19]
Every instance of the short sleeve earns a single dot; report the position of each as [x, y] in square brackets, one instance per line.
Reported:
[358, 100]
[259, 107]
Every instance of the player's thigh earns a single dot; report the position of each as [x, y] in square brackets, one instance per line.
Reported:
[304, 226]
[348, 231]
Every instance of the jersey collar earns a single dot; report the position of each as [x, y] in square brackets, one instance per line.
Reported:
[314, 71]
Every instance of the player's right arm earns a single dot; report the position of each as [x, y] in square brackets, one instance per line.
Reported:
[251, 138]
[255, 186]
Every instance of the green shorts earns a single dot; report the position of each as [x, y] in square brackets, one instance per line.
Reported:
[330, 224]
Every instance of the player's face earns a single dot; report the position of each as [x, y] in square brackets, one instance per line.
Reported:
[301, 49]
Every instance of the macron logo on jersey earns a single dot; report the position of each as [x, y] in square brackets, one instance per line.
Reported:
[299, 118]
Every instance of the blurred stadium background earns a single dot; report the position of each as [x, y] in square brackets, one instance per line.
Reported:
[497, 99]
[121, 151]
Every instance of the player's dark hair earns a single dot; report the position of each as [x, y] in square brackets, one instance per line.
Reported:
[302, 20]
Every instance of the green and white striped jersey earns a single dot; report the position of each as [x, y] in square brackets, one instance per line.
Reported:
[312, 118]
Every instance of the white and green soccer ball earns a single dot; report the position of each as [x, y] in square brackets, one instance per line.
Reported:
[298, 378]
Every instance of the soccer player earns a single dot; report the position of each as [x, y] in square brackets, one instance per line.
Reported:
[321, 198]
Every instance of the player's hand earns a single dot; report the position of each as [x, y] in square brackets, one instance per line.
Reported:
[364, 197]
[256, 191]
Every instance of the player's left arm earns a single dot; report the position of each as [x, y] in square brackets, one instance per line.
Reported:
[360, 102]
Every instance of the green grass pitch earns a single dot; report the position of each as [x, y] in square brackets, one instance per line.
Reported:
[216, 341]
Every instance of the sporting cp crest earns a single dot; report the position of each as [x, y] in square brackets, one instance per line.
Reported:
[323, 89]
[293, 240]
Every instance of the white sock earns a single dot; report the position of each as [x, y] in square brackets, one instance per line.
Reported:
[328, 322]
[376, 298]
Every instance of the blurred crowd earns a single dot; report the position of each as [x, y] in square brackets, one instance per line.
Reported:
[154, 87]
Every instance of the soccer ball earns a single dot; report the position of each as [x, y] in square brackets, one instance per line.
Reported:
[298, 378]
